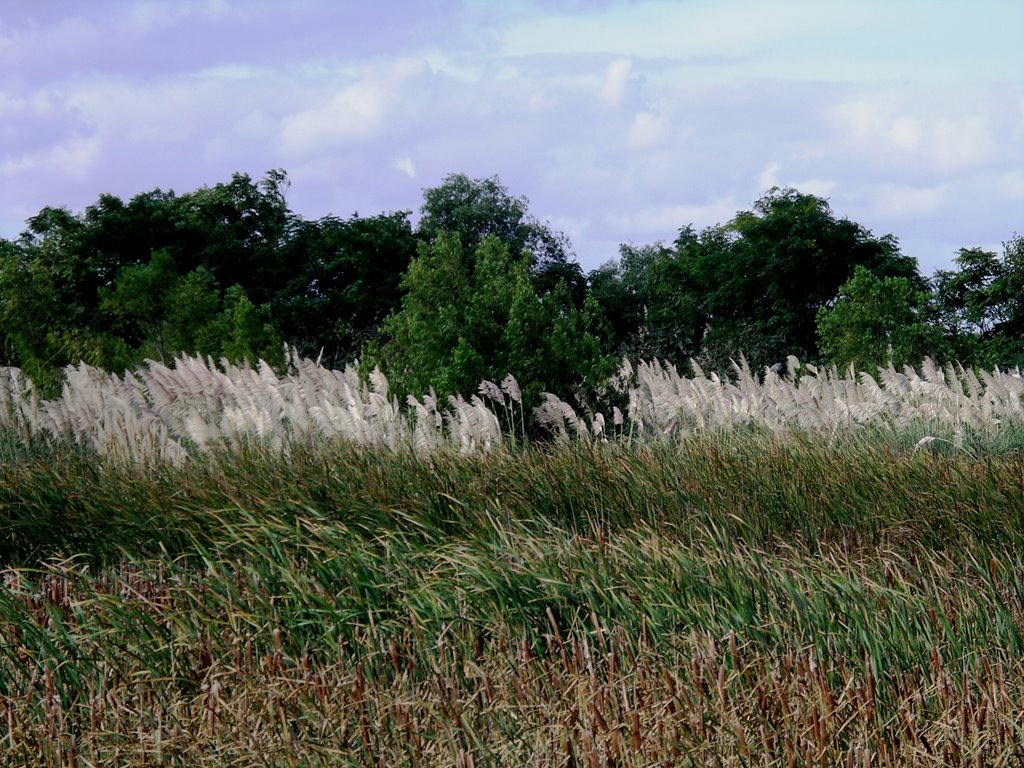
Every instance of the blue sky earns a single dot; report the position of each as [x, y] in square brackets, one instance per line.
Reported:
[620, 121]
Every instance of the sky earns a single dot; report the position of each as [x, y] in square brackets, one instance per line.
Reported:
[621, 121]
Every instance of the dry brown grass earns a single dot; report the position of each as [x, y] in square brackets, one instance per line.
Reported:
[153, 667]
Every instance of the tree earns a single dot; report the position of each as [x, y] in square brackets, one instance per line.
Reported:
[348, 282]
[457, 326]
[238, 232]
[424, 334]
[650, 301]
[981, 305]
[876, 320]
[248, 334]
[475, 209]
[786, 259]
[160, 314]
[49, 304]
[751, 287]
[138, 299]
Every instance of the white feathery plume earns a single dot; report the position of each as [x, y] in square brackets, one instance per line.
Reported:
[491, 390]
[510, 387]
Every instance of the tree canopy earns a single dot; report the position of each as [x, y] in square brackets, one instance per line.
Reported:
[458, 326]
[480, 288]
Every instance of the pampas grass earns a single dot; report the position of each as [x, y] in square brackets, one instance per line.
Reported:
[165, 413]
[959, 406]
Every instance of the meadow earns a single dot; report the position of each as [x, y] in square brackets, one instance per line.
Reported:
[217, 565]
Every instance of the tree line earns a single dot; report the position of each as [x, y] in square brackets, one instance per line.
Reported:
[479, 287]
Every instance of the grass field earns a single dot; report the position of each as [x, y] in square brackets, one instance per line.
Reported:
[738, 597]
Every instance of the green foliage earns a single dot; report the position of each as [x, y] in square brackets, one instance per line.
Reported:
[476, 209]
[783, 261]
[981, 305]
[170, 315]
[347, 284]
[644, 298]
[248, 336]
[877, 320]
[457, 326]
[156, 277]
[237, 231]
[752, 287]
[49, 302]
[229, 270]
[479, 208]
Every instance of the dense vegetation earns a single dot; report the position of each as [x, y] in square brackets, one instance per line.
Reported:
[480, 288]
[210, 566]
[735, 598]
[767, 563]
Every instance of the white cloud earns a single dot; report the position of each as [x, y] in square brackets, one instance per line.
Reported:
[443, 64]
[920, 139]
[257, 125]
[769, 178]
[819, 187]
[75, 157]
[875, 40]
[616, 77]
[147, 16]
[171, 111]
[1011, 184]
[961, 143]
[657, 28]
[665, 220]
[354, 113]
[11, 105]
[879, 127]
[646, 130]
[904, 133]
[897, 201]
[541, 101]
[405, 165]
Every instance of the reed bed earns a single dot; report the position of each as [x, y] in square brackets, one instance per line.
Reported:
[959, 406]
[165, 414]
[152, 674]
[737, 598]
[217, 565]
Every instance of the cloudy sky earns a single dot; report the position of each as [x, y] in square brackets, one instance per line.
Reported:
[621, 121]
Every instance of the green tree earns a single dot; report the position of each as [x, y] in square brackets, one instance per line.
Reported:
[421, 337]
[49, 304]
[138, 301]
[475, 209]
[651, 300]
[785, 259]
[751, 287]
[160, 314]
[238, 231]
[981, 305]
[249, 334]
[875, 320]
[346, 282]
[458, 326]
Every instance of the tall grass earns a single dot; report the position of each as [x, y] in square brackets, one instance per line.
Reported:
[959, 406]
[166, 414]
[763, 591]
[319, 639]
